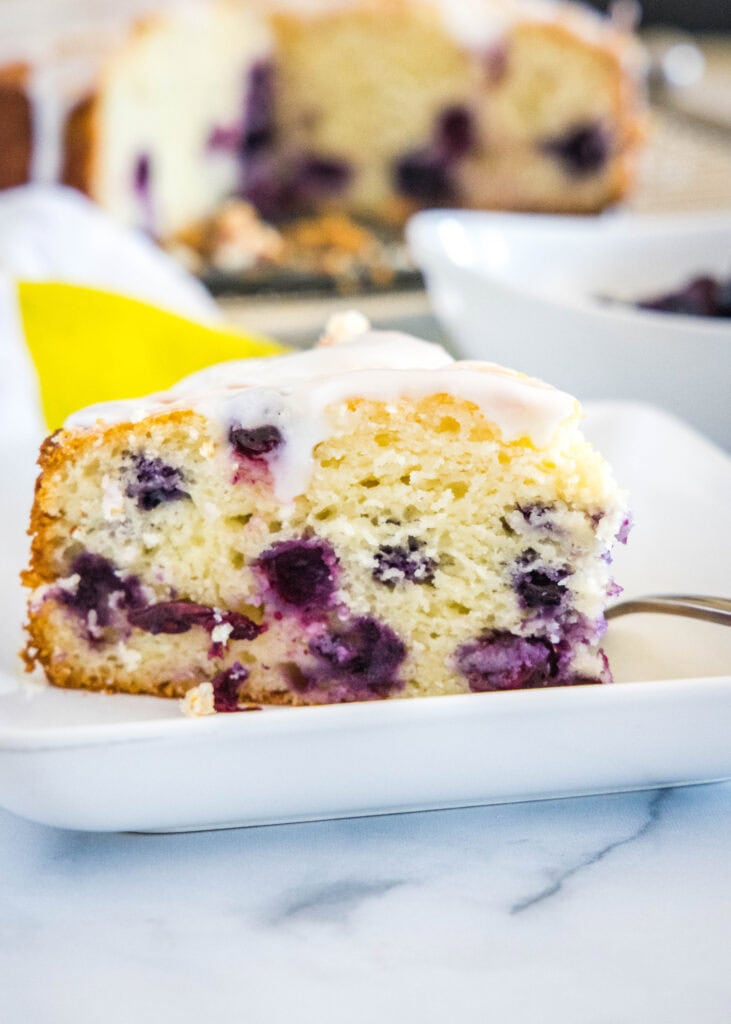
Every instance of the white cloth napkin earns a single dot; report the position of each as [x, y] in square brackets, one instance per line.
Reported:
[51, 233]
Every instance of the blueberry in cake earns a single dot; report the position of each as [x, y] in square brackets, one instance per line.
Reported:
[508, 104]
[704, 295]
[368, 519]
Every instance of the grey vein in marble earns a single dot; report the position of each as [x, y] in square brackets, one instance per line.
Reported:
[333, 902]
[654, 808]
[405, 918]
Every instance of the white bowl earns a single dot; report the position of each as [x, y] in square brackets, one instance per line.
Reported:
[531, 291]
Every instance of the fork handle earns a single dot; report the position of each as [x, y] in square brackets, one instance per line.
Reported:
[709, 609]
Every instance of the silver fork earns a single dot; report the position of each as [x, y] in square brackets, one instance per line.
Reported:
[693, 606]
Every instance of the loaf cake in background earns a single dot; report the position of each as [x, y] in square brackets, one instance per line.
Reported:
[139, 105]
[52, 58]
[368, 519]
[16, 130]
[482, 103]
[159, 142]
[370, 107]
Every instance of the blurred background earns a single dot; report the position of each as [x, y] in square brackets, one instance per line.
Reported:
[702, 15]
[283, 279]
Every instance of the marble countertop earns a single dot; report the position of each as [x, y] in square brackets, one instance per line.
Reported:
[602, 910]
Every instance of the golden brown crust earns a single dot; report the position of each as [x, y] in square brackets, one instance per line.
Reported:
[627, 102]
[38, 572]
[56, 452]
[16, 128]
[79, 146]
[58, 449]
[289, 23]
[43, 650]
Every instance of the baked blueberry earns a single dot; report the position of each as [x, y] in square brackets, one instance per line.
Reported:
[394, 563]
[227, 687]
[364, 655]
[537, 585]
[301, 572]
[255, 442]
[180, 616]
[101, 589]
[154, 483]
[499, 660]
[582, 150]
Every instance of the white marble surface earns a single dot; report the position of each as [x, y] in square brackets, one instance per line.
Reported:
[605, 910]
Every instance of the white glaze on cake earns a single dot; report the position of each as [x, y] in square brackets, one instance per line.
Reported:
[294, 392]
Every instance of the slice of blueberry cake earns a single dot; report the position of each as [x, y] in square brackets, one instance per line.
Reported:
[367, 519]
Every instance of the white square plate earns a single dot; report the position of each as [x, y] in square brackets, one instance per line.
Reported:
[92, 761]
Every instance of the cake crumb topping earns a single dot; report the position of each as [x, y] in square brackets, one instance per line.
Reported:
[198, 701]
[221, 633]
[344, 326]
[129, 659]
[112, 499]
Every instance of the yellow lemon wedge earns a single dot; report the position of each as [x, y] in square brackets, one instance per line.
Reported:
[93, 346]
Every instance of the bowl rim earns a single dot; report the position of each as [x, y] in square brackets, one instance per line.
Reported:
[425, 246]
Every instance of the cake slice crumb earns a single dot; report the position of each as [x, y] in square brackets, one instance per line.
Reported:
[198, 701]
